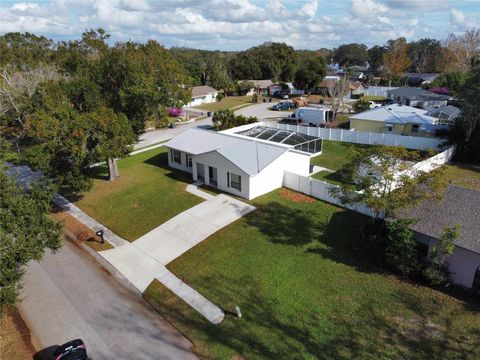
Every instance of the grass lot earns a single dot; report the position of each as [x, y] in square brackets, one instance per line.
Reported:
[304, 291]
[228, 103]
[373, 98]
[463, 175]
[147, 194]
[15, 341]
[332, 178]
[335, 154]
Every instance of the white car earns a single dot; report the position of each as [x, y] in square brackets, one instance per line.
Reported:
[374, 105]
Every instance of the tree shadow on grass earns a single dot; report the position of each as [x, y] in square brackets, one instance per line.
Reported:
[265, 331]
[161, 161]
[284, 225]
[98, 172]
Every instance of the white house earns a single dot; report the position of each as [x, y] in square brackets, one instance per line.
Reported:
[249, 163]
[202, 95]
[459, 206]
[260, 87]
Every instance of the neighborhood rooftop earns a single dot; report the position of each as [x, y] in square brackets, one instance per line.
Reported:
[202, 91]
[416, 93]
[396, 114]
[459, 206]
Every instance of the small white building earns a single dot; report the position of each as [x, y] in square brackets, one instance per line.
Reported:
[202, 95]
[249, 163]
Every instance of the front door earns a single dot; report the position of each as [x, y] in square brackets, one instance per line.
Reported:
[212, 176]
[201, 172]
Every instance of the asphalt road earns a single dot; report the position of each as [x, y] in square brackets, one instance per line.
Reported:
[68, 295]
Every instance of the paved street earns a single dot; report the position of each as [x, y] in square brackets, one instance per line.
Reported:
[68, 295]
[155, 136]
[261, 111]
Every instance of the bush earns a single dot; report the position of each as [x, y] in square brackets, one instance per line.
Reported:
[255, 98]
[220, 96]
[226, 119]
[400, 252]
[175, 112]
[436, 274]
[361, 105]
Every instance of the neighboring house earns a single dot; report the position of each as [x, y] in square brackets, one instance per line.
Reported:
[445, 115]
[202, 95]
[419, 79]
[417, 97]
[292, 90]
[248, 164]
[459, 206]
[275, 88]
[356, 89]
[261, 87]
[395, 119]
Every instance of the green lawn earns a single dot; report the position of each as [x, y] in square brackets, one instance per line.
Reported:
[373, 98]
[335, 178]
[228, 103]
[147, 194]
[462, 175]
[306, 292]
[335, 154]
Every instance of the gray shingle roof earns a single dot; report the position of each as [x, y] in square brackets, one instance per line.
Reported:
[458, 206]
[202, 91]
[416, 93]
[248, 154]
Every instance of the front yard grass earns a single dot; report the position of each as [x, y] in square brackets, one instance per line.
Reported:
[306, 291]
[147, 194]
[228, 103]
[335, 154]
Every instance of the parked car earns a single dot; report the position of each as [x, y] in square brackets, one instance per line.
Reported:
[72, 350]
[283, 106]
[281, 95]
[374, 104]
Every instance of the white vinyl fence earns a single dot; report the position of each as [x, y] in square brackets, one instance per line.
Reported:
[377, 90]
[321, 190]
[361, 137]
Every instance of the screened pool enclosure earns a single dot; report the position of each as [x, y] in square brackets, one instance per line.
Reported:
[301, 142]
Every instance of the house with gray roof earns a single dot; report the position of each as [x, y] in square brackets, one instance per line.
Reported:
[248, 162]
[417, 97]
[202, 95]
[395, 119]
[458, 206]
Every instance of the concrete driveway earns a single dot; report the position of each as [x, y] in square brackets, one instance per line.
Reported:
[144, 259]
[68, 295]
[261, 111]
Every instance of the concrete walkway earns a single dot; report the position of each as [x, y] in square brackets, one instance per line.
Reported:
[193, 189]
[145, 259]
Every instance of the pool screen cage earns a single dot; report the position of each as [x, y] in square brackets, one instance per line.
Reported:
[299, 141]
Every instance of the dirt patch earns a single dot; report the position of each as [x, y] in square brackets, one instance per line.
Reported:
[296, 196]
[77, 232]
[15, 339]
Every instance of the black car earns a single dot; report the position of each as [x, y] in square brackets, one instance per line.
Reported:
[72, 350]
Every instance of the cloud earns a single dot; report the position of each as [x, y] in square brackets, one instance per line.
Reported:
[309, 10]
[425, 5]
[365, 9]
[460, 21]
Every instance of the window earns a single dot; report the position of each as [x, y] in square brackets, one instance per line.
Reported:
[235, 181]
[389, 127]
[189, 160]
[176, 156]
[415, 128]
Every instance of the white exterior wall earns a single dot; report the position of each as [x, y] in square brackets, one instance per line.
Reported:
[462, 264]
[207, 99]
[271, 177]
[223, 166]
[183, 166]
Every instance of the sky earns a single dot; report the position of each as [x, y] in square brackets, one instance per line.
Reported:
[240, 24]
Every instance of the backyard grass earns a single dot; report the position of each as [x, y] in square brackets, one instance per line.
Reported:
[464, 175]
[147, 194]
[228, 103]
[373, 98]
[306, 291]
[335, 178]
[335, 154]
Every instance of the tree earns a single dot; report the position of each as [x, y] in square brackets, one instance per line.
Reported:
[361, 105]
[24, 49]
[375, 55]
[226, 119]
[401, 252]
[26, 231]
[310, 73]
[337, 90]
[351, 54]
[395, 61]
[454, 81]
[459, 50]
[423, 55]
[387, 181]
[243, 87]
[466, 131]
